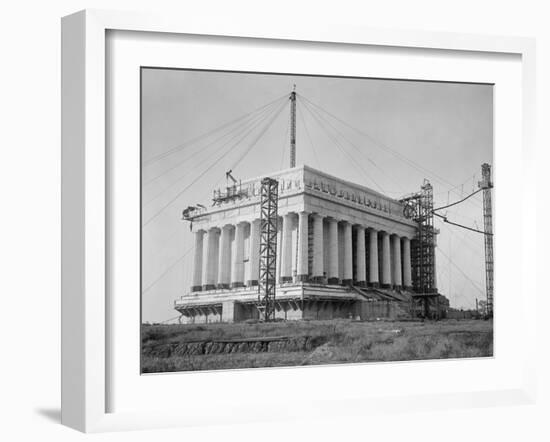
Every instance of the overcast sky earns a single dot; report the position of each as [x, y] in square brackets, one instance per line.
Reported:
[406, 131]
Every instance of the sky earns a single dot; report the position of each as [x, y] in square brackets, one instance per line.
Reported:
[388, 135]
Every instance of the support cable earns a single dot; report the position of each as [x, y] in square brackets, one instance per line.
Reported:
[460, 270]
[444, 218]
[236, 131]
[207, 134]
[221, 157]
[358, 149]
[242, 137]
[168, 239]
[472, 221]
[356, 164]
[168, 269]
[204, 160]
[461, 185]
[309, 138]
[465, 240]
[260, 135]
[458, 202]
[383, 146]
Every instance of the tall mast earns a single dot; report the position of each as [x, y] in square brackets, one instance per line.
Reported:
[486, 184]
[293, 127]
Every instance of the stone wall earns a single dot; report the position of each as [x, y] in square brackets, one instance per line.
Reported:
[370, 310]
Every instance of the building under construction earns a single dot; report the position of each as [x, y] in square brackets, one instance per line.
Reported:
[338, 250]
[303, 244]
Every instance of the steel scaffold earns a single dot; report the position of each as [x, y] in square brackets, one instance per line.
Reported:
[419, 207]
[486, 184]
[268, 248]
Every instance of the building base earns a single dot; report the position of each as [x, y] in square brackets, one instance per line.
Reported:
[299, 300]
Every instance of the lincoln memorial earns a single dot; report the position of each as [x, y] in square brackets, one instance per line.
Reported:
[343, 251]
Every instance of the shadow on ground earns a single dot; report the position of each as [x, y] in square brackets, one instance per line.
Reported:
[51, 414]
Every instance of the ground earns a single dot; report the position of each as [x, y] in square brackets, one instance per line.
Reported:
[245, 345]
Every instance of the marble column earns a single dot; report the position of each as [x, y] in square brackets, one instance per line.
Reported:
[302, 266]
[348, 255]
[386, 260]
[407, 274]
[197, 262]
[224, 257]
[286, 249]
[210, 259]
[254, 254]
[237, 271]
[317, 268]
[360, 257]
[332, 256]
[396, 261]
[373, 258]
[340, 252]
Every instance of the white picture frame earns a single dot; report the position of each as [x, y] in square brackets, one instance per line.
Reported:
[85, 202]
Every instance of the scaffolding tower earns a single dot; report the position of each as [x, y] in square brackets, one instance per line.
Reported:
[419, 207]
[424, 254]
[268, 248]
[486, 184]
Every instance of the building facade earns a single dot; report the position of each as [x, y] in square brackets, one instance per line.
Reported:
[343, 250]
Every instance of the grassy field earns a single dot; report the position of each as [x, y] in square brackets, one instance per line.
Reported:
[201, 347]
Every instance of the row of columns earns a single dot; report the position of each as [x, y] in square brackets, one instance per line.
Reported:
[219, 256]
[219, 260]
[393, 269]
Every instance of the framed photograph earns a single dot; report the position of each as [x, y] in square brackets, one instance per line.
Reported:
[325, 211]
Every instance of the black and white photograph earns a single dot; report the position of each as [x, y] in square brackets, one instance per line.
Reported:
[293, 220]
[301, 220]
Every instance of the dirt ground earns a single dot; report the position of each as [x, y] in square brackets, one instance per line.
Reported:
[229, 346]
